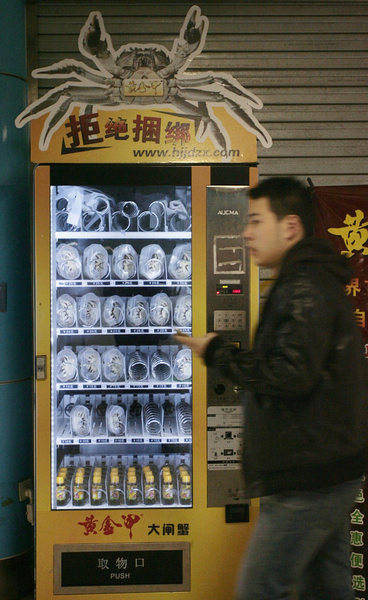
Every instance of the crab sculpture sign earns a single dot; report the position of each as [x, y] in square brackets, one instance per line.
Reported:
[139, 104]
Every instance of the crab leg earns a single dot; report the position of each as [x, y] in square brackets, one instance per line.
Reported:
[60, 100]
[245, 114]
[203, 119]
[69, 67]
[92, 95]
[251, 123]
[232, 86]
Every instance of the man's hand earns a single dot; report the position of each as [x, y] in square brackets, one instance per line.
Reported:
[197, 344]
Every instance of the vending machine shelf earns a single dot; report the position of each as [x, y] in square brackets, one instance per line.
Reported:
[121, 235]
[127, 283]
[123, 385]
[145, 481]
[70, 441]
[123, 331]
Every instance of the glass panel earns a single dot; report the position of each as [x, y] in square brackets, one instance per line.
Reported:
[121, 270]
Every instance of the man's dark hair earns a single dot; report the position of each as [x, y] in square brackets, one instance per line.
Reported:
[287, 196]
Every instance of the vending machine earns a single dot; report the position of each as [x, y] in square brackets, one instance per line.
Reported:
[140, 200]
[138, 450]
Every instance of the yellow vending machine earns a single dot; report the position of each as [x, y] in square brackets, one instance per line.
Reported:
[139, 208]
[130, 497]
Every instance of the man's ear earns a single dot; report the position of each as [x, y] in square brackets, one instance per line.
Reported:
[294, 229]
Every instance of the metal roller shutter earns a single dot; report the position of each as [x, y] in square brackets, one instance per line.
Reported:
[307, 61]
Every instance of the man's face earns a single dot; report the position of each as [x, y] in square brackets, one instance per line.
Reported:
[265, 234]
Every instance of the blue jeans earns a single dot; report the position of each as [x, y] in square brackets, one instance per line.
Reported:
[301, 543]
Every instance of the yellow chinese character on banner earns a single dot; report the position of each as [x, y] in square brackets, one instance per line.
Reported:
[352, 287]
[355, 234]
[360, 317]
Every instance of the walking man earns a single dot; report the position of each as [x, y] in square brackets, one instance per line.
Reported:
[305, 404]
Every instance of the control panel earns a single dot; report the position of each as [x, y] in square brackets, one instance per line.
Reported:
[228, 282]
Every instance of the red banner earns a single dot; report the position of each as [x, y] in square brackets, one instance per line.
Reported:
[342, 217]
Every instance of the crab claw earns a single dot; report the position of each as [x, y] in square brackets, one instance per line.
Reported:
[192, 33]
[195, 29]
[95, 43]
[189, 43]
[92, 42]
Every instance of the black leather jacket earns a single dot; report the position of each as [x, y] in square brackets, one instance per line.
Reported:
[306, 399]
